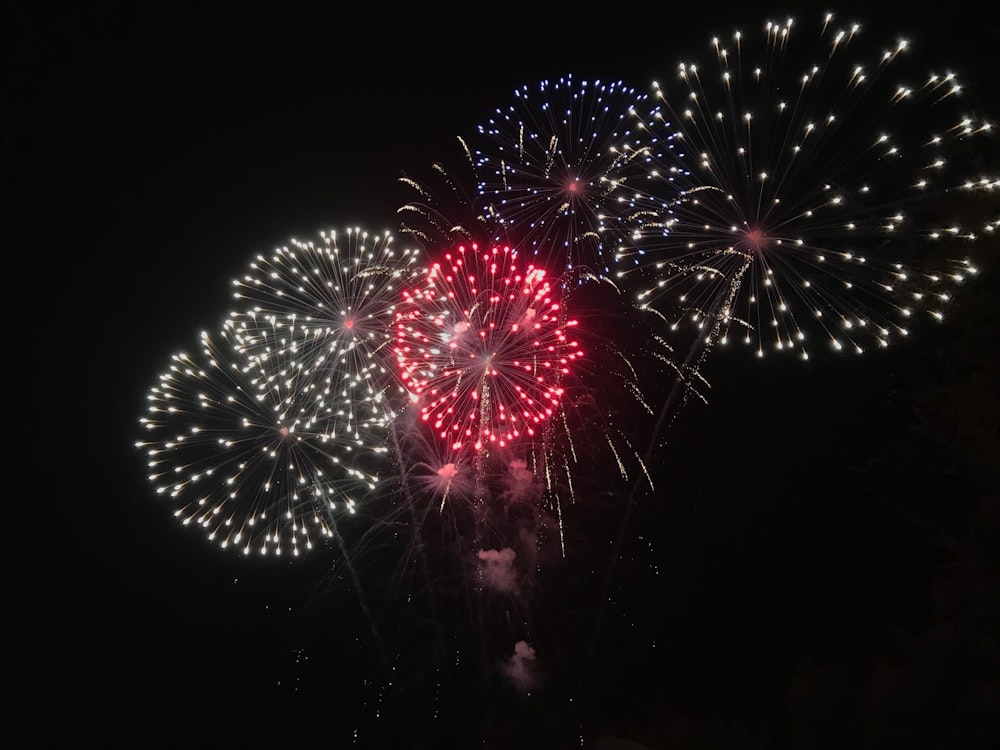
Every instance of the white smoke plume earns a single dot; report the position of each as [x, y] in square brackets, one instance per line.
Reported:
[498, 569]
[520, 667]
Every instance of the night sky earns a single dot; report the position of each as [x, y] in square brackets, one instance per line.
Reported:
[818, 567]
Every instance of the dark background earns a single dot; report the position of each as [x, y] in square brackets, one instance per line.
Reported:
[818, 567]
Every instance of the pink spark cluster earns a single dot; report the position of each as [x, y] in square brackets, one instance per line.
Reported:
[484, 347]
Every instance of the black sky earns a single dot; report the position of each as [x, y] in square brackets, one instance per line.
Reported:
[783, 575]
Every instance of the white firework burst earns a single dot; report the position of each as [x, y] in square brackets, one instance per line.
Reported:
[798, 187]
[329, 305]
[253, 451]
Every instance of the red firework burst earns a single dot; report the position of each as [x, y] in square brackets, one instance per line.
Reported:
[483, 346]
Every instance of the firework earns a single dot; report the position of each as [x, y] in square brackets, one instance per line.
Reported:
[252, 451]
[329, 306]
[483, 346]
[799, 188]
[550, 168]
